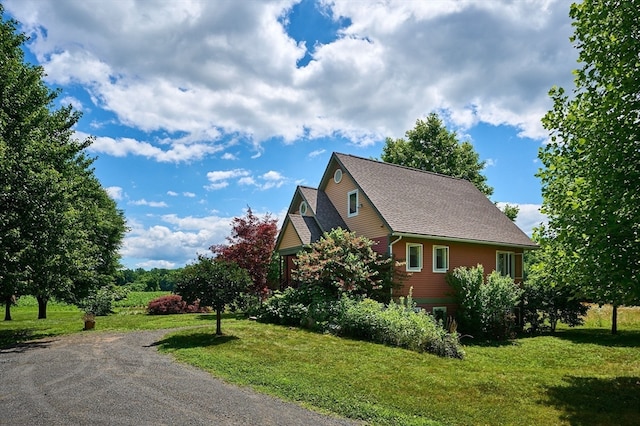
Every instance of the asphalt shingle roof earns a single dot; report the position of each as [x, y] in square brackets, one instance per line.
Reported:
[326, 214]
[412, 201]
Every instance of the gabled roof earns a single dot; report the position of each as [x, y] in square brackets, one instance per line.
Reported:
[309, 228]
[324, 211]
[415, 202]
[306, 227]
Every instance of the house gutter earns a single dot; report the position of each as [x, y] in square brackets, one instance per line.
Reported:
[461, 240]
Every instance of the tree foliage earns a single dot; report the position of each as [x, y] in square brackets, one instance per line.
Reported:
[591, 174]
[212, 282]
[546, 298]
[431, 147]
[251, 245]
[59, 229]
[344, 263]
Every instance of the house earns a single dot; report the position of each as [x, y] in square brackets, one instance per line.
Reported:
[433, 222]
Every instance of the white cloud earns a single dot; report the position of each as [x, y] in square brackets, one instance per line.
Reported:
[529, 216]
[177, 241]
[144, 202]
[114, 192]
[220, 178]
[490, 162]
[316, 153]
[228, 156]
[208, 69]
[172, 193]
[189, 194]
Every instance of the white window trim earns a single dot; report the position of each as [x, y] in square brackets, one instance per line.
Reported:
[512, 265]
[349, 214]
[420, 256]
[303, 208]
[440, 270]
[337, 176]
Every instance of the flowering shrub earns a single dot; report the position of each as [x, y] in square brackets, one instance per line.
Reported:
[172, 304]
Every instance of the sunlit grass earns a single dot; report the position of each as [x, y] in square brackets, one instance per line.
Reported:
[576, 376]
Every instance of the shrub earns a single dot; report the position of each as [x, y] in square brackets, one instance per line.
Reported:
[486, 306]
[343, 263]
[397, 324]
[100, 301]
[544, 304]
[172, 304]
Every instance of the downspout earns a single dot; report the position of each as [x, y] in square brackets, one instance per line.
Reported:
[391, 245]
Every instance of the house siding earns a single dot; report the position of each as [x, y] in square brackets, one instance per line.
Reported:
[430, 289]
[368, 222]
[290, 238]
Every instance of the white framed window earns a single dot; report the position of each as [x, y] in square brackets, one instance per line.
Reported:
[506, 263]
[337, 176]
[303, 208]
[440, 258]
[440, 313]
[414, 257]
[353, 203]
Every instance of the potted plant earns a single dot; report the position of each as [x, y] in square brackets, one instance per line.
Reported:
[89, 321]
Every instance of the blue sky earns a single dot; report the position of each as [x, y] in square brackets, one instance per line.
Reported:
[200, 109]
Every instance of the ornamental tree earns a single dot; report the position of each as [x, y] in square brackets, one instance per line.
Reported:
[344, 263]
[591, 174]
[212, 282]
[251, 245]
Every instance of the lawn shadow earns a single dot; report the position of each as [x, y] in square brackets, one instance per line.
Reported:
[227, 315]
[467, 340]
[595, 401]
[602, 337]
[196, 340]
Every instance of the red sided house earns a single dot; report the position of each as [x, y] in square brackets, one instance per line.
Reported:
[434, 223]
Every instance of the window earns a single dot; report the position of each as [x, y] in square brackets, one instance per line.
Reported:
[303, 208]
[506, 263]
[337, 176]
[440, 313]
[414, 257]
[440, 258]
[353, 203]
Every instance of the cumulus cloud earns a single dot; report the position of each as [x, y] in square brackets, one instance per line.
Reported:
[115, 192]
[174, 242]
[220, 178]
[143, 202]
[208, 69]
[529, 216]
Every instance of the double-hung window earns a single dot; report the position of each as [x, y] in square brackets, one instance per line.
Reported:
[506, 263]
[414, 257]
[353, 202]
[440, 258]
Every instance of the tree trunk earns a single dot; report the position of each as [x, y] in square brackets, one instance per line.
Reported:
[218, 322]
[42, 307]
[7, 308]
[614, 320]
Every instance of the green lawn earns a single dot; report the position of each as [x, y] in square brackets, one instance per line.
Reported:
[577, 376]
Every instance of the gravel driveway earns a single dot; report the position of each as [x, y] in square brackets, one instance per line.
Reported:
[121, 379]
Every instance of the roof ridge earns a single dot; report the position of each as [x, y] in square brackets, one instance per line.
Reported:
[308, 187]
[413, 169]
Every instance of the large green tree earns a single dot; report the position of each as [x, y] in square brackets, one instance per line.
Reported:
[431, 147]
[591, 174]
[59, 229]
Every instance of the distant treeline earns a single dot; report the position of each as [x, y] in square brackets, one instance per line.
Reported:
[143, 280]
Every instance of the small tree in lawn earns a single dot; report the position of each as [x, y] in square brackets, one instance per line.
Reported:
[251, 244]
[212, 282]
